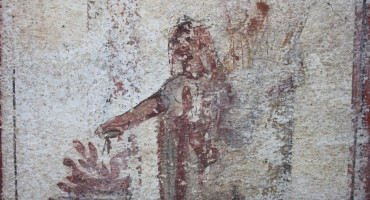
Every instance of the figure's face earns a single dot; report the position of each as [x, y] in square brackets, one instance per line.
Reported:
[193, 66]
[189, 51]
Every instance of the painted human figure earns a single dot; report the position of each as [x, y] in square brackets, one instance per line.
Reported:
[191, 109]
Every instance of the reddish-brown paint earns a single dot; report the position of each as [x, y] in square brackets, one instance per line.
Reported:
[161, 148]
[287, 39]
[140, 172]
[147, 109]
[195, 74]
[119, 88]
[88, 8]
[188, 44]
[134, 150]
[361, 99]
[89, 177]
[263, 7]
[123, 14]
[241, 34]
[256, 23]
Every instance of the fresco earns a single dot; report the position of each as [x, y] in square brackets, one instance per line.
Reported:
[214, 99]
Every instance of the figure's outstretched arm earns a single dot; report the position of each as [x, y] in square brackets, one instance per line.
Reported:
[147, 109]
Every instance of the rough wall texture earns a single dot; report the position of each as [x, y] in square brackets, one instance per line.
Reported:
[213, 99]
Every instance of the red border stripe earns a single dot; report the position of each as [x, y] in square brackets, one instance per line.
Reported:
[361, 102]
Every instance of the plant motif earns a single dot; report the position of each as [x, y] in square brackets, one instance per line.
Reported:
[93, 178]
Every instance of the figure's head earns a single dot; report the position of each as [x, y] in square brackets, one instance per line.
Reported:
[192, 51]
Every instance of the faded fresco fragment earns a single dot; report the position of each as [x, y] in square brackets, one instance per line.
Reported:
[150, 99]
[191, 109]
[93, 178]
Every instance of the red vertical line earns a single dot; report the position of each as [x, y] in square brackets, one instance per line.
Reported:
[357, 91]
[160, 142]
[360, 86]
[15, 139]
[242, 48]
[88, 15]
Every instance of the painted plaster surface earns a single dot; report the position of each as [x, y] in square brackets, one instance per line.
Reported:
[155, 99]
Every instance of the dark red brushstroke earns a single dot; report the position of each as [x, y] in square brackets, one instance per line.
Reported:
[134, 150]
[88, 8]
[241, 31]
[119, 88]
[256, 23]
[195, 75]
[263, 7]
[161, 160]
[361, 97]
[93, 178]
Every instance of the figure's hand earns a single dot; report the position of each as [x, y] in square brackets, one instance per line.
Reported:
[108, 132]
